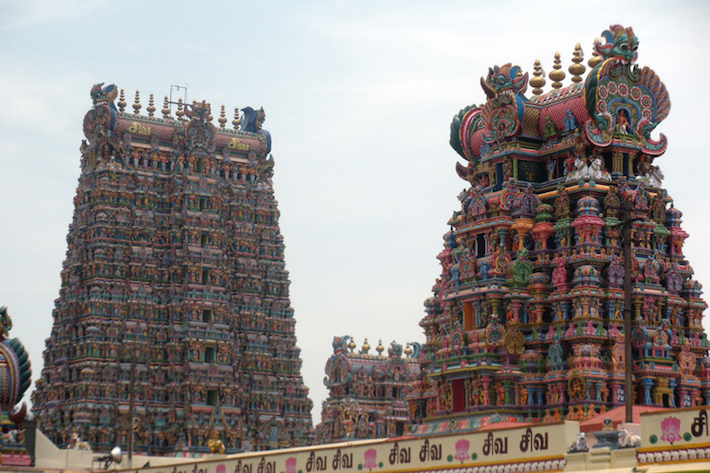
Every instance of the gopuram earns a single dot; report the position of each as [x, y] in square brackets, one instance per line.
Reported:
[367, 393]
[527, 318]
[173, 313]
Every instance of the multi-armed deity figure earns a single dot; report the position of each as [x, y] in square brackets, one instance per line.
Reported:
[527, 319]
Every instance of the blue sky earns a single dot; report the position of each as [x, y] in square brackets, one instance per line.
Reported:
[358, 96]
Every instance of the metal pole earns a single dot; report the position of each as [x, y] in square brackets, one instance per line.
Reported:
[628, 360]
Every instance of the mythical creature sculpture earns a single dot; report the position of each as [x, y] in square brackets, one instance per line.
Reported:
[620, 97]
[265, 168]
[253, 121]
[621, 45]
[340, 344]
[502, 114]
[100, 121]
[104, 95]
[504, 78]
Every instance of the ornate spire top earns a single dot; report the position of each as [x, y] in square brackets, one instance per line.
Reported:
[166, 109]
[595, 59]
[180, 113]
[365, 347]
[557, 75]
[222, 118]
[235, 124]
[351, 345]
[151, 106]
[122, 102]
[137, 103]
[538, 81]
[380, 348]
[209, 110]
[577, 68]
[408, 351]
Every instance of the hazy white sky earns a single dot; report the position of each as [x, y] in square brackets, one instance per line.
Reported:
[358, 95]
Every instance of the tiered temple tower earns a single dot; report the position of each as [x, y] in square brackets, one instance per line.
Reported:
[527, 318]
[367, 392]
[174, 299]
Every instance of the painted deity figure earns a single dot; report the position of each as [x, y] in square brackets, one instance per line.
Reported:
[559, 274]
[622, 122]
[551, 165]
[522, 268]
[561, 203]
[555, 355]
[615, 272]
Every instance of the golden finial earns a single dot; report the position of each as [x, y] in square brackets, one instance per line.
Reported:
[209, 111]
[538, 81]
[137, 103]
[408, 351]
[595, 59]
[222, 118]
[122, 102]
[380, 348]
[557, 74]
[351, 345]
[365, 347]
[236, 123]
[180, 113]
[577, 68]
[151, 106]
[166, 108]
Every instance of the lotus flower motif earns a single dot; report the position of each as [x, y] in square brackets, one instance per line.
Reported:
[670, 426]
[291, 465]
[370, 459]
[462, 447]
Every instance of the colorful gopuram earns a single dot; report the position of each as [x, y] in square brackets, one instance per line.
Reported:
[527, 318]
[173, 312]
[367, 393]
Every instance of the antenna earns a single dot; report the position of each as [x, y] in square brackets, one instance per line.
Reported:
[177, 88]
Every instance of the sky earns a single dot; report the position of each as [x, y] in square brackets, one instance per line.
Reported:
[358, 95]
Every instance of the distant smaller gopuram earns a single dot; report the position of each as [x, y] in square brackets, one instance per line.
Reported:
[527, 318]
[367, 392]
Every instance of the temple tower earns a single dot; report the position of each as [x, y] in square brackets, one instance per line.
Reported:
[527, 319]
[173, 307]
[367, 392]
